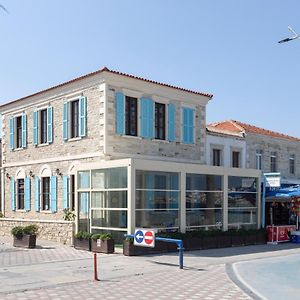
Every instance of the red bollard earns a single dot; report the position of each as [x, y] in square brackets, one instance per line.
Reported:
[95, 268]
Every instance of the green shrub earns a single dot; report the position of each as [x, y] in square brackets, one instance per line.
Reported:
[82, 235]
[69, 215]
[30, 229]
[17, 231]
[101, 236]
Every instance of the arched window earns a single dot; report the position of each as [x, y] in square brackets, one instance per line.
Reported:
[20, 189]
[45, 175]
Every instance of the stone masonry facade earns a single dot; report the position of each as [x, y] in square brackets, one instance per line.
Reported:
[283, 148]
[100, 143]
[58, 231]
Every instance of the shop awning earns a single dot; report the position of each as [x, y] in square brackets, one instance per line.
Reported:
[283, 194]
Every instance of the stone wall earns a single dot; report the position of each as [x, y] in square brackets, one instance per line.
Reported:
[57, 231]
[283, 148]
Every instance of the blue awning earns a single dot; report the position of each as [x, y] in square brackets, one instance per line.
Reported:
[284, 192]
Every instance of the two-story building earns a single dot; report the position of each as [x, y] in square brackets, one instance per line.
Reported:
[265, 150]
[121, 152]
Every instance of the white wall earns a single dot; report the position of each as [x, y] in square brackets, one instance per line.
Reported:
[227, 144]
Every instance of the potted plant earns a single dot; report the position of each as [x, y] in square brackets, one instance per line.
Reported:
[102, 243]
[82, 241]
[130, 250]
[25, 236]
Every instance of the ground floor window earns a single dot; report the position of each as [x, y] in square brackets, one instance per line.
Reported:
[45, 186]
[102, 199]
[157, 199]
[242, 201]
[20, 193]
[204, 201]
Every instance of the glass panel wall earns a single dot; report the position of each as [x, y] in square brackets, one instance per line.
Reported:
[157, 200]
[102, 199]
[204, 201]
[242, 202]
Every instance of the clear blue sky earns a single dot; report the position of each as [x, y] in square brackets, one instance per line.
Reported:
[228, 48]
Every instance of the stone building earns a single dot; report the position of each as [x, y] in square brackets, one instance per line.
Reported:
[266, 150]
[120, 152]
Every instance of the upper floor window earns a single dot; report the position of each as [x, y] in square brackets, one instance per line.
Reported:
[292, 164]
[273, 162]
[74, 118]
[148, 119]
[160, 121]
[43, 126]
[258, 156]
[188, 125]
[131, 116]
[216, 157]
[235, 159]
[18, 132]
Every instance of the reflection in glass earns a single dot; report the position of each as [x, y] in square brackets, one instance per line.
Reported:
[157, 199]
[202, 217]
[241, 216]
[83, 204]
[157, 180]
[204, 200]
[245, 184]
[109, 178]
[84, 179]
[242, 199]
[109, 199]
[109, 218]
[201, 182]
[157, 219]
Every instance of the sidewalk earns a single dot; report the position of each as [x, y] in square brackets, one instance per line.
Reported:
[56, 272]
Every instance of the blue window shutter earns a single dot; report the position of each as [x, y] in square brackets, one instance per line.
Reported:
[36, 193]
[188, 125]
[27, 197]
[66, 121]
[65, 191]
[35, 127]
[120, 113]
[12, 133]
[53, 194]
[50, 124]
[192, 126]
[13, 194]
[24, 130]
[147, 118]
[184, 125]
[151, 118]
[82, 116]
[171, 122]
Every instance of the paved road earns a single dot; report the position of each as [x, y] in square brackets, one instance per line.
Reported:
[56, 272]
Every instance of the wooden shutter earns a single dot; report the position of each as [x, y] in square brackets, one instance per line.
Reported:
[50, 124]
[66, 121]
[171, 122]
[36, 193]
[120, 113]
[24, 130]
[12, 133]
[82, 116]
[27, 197]
[147, 118]
[53, 194]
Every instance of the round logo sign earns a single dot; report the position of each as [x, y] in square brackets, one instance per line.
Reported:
[148, 237]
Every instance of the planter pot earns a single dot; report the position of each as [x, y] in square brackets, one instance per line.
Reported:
[130, 250]
[237, 240]
[25, 241]
[103, 246]
[224, 241]
[261, 238]
[210, 242]
[250, 239]
[82, 244]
